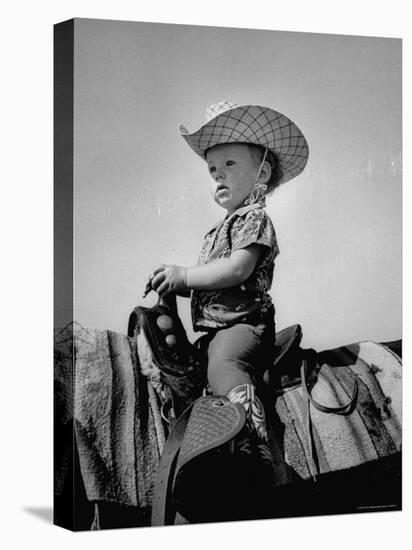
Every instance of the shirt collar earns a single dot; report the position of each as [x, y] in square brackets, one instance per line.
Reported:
[239, 212]
[261, 203]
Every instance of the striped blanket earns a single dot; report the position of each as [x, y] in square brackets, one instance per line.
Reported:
[117, 423]
[371, 431]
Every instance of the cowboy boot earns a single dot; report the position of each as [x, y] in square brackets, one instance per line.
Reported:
[254, 439]
[225, 479]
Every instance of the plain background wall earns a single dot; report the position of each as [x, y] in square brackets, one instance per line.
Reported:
[141, 195]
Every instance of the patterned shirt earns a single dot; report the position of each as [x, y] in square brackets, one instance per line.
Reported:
[249, 301]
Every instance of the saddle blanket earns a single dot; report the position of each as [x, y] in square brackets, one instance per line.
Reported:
[371, 431]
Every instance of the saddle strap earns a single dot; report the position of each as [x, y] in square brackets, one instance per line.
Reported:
[344, 409]
[161, 505]
[307, 400]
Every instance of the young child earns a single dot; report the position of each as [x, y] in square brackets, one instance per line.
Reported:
[249, 151]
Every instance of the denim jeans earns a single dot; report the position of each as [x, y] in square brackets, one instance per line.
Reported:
[239, 354]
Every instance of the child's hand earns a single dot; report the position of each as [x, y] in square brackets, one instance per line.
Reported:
[169, 279]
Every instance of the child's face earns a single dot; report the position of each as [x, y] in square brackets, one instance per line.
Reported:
[234, 169]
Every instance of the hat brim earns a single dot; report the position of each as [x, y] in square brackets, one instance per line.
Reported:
[255, 125]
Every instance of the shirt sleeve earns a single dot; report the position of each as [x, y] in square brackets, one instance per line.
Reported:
[254, 228]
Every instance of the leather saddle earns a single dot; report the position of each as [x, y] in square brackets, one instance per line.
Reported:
[175, 367]
[199, 451]
[182, 366]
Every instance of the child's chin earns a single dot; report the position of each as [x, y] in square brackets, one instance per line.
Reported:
[223, 203]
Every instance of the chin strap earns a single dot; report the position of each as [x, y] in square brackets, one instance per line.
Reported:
[259, 189]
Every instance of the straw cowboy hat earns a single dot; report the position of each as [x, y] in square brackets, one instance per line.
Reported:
[227, 122]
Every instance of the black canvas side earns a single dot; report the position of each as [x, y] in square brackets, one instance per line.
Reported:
[64, 454]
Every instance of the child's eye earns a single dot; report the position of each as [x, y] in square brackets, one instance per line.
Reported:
[230, 162]
[212, 169]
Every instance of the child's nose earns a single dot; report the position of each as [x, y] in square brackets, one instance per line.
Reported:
[219, 175]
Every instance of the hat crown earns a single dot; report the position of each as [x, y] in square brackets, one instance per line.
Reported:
[219, 108]
[228, 122]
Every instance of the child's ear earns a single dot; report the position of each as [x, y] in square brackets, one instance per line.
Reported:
[265, 173]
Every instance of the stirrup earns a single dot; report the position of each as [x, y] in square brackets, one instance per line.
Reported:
[193, 458]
